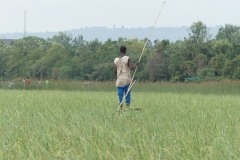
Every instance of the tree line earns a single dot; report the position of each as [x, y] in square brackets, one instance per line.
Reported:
[65, 57]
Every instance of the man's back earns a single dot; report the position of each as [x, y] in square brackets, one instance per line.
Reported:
[123, 71]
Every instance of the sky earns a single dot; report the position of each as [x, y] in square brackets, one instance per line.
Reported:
[62, 15]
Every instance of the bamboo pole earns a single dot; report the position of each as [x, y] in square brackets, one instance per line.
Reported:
[132, 83]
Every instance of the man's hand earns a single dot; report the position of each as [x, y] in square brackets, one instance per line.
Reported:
[132, 67]
[137, 63]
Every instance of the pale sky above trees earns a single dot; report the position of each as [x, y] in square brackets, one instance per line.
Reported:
[61, 15]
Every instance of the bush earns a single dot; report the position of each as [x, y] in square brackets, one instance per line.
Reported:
[236, 74]
[208, 74]
[65, 72]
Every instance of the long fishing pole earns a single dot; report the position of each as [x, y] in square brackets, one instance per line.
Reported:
[132, 83]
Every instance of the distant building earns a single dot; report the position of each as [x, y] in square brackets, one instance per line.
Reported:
[8, 41]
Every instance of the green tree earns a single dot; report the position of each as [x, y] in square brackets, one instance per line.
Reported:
[3, 59]
[157, 64]
[198, 32]
[201, 61]
[94, 45]
[207, 73]
[65, 39]
[223, 47]
[235, 36]
[107, 52]
[217, 62]
[227, 32]
[103, 72]
[158, 68]
[231, 68]
[198, 41]
[65, 72]
[190, 67]
[56, 57]
[176, 58]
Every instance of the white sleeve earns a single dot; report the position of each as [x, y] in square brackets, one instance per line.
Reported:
[115, 61]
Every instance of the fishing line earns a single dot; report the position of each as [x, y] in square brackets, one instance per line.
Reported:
[132, 83]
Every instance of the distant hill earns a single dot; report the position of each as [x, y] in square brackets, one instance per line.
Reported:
[103, 33]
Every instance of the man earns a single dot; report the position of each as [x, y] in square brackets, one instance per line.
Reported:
[122, 67]
[47, 83]
[24, 83]
[28, 81]
[11, 84]
[39, 83]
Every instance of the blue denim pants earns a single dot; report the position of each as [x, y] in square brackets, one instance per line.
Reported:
[122, 91]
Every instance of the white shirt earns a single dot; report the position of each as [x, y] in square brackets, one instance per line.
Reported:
[123, 71]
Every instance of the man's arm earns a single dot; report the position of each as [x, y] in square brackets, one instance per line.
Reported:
[131, 66]
[115, 69]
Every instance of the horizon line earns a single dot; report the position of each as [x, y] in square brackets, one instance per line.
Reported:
[103, 27]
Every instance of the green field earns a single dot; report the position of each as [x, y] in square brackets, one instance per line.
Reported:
[177, 121]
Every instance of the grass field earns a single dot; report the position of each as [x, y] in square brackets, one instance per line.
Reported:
[177, 121]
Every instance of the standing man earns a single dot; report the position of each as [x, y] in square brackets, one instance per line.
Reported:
[122, 67]
[39, 83]
[28, 81]
[47, 83]
[24, 83]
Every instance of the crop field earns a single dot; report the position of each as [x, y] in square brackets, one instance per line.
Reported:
[71, 121]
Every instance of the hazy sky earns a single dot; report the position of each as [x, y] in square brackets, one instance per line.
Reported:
[60, 15]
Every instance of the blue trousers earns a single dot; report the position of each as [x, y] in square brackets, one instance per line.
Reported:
[122, 91]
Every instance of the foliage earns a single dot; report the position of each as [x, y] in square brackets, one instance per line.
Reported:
[228, 32]
[65, 57]
[199, 33]
[231, 68]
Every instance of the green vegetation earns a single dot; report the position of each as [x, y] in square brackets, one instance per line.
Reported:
[64, 57]
[177, 121]
[221, 87]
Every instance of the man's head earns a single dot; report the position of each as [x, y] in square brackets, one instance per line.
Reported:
[123, 49]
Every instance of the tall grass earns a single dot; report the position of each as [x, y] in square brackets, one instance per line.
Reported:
[177, 121]
[222, 87]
